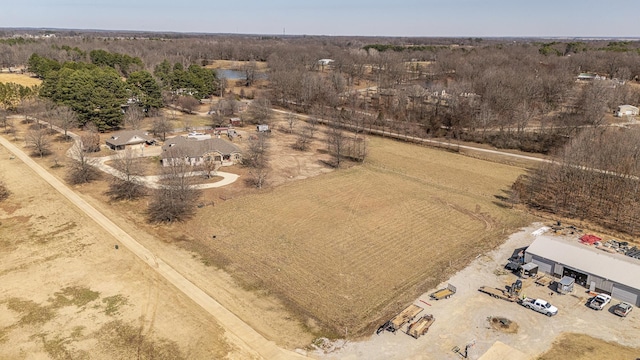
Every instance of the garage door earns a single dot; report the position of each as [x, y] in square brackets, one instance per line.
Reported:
[544, 265]
[625, 294]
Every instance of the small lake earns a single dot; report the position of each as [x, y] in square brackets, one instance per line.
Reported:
[237, 74]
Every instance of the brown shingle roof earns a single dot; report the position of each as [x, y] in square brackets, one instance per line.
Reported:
[195, 148]
[129, 137]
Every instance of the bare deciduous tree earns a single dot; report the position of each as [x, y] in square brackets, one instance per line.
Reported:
[188, 104]
[90, 142]
[161, 126]
[304, 138]
[259, 111]
[82, 169]
[4, 191]
[209, 166]
[257, 159]
[291, 121]
[176, 199]
[336, 144]
[133, 117]
[127, 186]
[3, 119]
[65, 118]
[39, 141]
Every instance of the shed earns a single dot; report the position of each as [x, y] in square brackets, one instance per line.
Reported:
[565, 285]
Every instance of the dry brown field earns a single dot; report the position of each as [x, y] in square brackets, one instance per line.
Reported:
[20, 79]
[67, 293]
[349, 248]
[234, 65]
[342, 251]
[584, 347]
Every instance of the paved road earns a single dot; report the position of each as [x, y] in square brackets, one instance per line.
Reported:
[247, 336]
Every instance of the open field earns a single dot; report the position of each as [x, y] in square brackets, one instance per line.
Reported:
[349, 248]
[273, 321]
[20, 79]
[235, 65]
[467, 317]
[68, 293]
[353, 273]
[571, 346]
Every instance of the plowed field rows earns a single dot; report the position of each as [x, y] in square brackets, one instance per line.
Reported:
[351, 247]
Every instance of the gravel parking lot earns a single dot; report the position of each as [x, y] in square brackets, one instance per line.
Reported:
[464, 318]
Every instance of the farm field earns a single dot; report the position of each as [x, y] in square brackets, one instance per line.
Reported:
[349, 248]
[584, 347]
[68, 293]
[20, 79]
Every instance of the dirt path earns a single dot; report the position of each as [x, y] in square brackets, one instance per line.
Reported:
[428, 141]
[238, 330]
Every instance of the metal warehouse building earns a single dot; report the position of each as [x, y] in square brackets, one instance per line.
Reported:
[595, 269]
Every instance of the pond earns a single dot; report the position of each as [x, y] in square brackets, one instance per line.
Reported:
[230, 74]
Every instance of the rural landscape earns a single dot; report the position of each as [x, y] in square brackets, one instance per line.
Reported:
[200, 196]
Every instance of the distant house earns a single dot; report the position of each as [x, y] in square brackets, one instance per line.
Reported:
[626, 110]
[325, 62]
[123, 139]
[587, 76]
[195, 152]
[198, 136]
[235, 121]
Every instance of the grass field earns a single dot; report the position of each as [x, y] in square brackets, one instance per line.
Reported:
[350, 248]
[20, 79]
[585, 347]
[230, 64]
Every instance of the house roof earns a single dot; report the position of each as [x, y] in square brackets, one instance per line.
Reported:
[129, 137]
[616, 267]
[196, 148]
[627, 107]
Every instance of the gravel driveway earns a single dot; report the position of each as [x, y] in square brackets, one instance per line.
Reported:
[463, 318]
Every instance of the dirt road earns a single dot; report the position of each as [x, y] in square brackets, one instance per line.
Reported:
[420, 140]
[238, 331]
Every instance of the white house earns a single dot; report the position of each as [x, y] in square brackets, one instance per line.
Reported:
[626, 110]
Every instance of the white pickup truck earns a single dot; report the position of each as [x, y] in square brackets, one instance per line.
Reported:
[539, 305]
[599, 301]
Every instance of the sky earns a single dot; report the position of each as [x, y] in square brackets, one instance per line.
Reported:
[417, 18]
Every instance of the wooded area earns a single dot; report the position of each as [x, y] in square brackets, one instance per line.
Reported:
[550, 97]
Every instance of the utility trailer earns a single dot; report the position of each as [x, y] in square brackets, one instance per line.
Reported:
[407, 315]
[443, 293]
[498, 293]
[544, 280]
[421, 326]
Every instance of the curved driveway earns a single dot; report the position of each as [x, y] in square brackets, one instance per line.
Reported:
[250, 338]
[152, 181]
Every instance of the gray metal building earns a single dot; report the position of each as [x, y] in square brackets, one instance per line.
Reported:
[594, 269]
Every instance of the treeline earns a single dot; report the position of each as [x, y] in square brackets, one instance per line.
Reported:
[195, 80]
[97, 93]
[398, 48]
[595, 177]
[574, 47]
[122, 62]
[12, 94]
